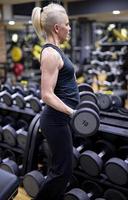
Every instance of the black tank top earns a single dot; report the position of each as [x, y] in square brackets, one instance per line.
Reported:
[66, 87]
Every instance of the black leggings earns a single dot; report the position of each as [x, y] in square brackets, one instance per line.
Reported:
[59, 138]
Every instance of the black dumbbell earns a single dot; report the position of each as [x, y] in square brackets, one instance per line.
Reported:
[13, 135]
[86, 144]
[90, 190]
[116, 169]
[108, 102]
[11, 166]
[89, 104]
[9, 98]
[113, 194]
[36, 104]
[85, 87]
[88, 96]
[6, 88]
[7, 154]
[85, 120]
[92, 162]
[7, 121]
[33, 180]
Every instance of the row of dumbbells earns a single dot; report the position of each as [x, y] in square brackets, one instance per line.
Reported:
[14, 132]
[87, 190]
[101, 158]
[21, 97]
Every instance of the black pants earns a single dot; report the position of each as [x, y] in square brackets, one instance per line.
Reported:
[58, 134]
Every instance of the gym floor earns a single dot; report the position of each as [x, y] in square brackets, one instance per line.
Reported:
[22, 195]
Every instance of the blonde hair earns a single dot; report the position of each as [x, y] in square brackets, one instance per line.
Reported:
[44, 19]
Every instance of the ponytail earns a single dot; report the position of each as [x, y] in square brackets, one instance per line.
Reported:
[36, 21]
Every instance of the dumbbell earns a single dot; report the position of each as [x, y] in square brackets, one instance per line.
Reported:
[6, 88]
[12, 136]
[86, 144]
[21, 100]
[85, 120]
[116, 169]
[85, 87]
[11, 166]
[108, 102]
[8, 97]
[34, 180]
[88, 96]
[92, 162]
[113, 194]
[90, 190]
[89, 104]
[36, 104]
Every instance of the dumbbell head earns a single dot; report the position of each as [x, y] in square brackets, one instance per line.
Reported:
[85, 122]
[89, 104]
[10, 166]
[88, 96]
[104, 101]
[32, 182]
[114, 194]
[85, 87]
[20, 101]
[92, 162]
[35, 104]
[116, 101]
[76, 194]
[117, 169]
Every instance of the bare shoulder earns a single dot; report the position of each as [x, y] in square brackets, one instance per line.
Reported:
[51, 56]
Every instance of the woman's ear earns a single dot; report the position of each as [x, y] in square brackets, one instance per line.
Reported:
[56, 28]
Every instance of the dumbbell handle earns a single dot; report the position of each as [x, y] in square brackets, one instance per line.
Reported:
[101, 154]
[126, 160]
[90, 194]
[28, 97]
[80, 148]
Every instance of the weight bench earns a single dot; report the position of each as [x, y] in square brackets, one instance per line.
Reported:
[8, 185]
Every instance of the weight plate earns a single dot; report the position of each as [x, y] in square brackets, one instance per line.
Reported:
[85, 87]
[114, 194]
[76, 194]
[85, 122]
[7, 99]
[20, 101]
[9, 135]
[104, 101]
[35, 104]
[91, 163]
[89, 104]
[32, 182]
[117, 171]
[88, 96]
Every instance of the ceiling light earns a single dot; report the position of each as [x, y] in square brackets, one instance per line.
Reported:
[115, 12]
[11, 22]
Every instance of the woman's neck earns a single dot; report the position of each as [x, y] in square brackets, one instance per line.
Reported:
[53, 40]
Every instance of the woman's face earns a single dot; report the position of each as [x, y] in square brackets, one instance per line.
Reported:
[63, 29]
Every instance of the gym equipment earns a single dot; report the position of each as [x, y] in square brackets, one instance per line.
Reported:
[89, 190]
[5, 88]
[11, 135]
[21, 100]
[8, 185]
[85, 122]
[114, 194]
[18, 69]
[88, 96]
[92, 162]
[34, 180]
[89, 104]
[78, 150]
[108, 102]
[8, 98]
[85, 87]
[16, 54]
[11, 166]
[116, 169]
[36, 104]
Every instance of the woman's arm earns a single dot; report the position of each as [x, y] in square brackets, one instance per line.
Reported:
[51, 63]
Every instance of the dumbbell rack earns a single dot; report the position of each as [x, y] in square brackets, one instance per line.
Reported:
[27, 114]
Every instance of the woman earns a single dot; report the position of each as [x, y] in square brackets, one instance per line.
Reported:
[60, 93]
